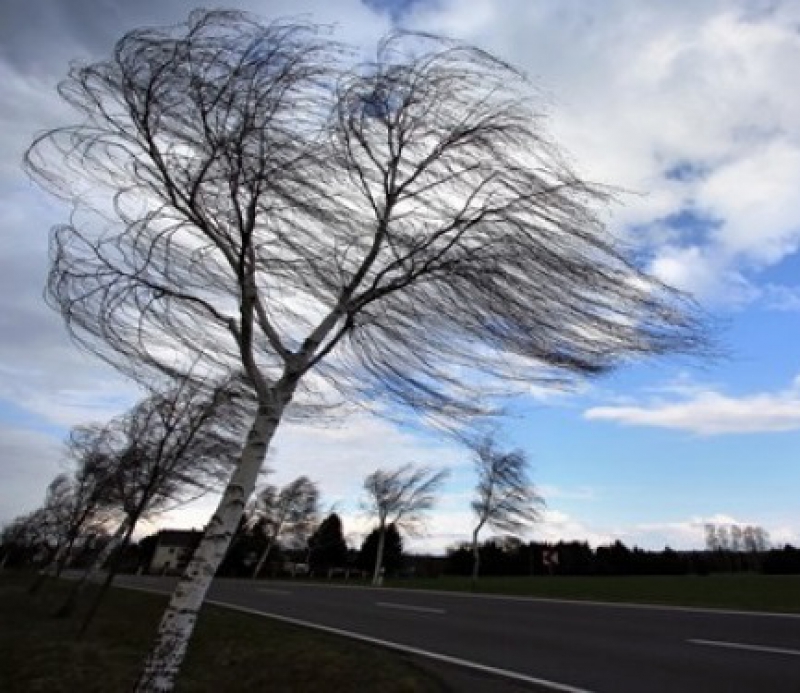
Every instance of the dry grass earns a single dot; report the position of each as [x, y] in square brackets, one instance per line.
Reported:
[230, 651]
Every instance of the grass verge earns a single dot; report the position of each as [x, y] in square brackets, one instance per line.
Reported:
[229, 652]
[748, 592]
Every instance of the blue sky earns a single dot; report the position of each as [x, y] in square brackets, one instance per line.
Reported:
[688, 106]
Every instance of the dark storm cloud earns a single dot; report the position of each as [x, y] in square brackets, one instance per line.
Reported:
[45, 35]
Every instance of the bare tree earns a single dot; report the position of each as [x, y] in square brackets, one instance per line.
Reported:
[172, 447]
[28, 537]
[74, 502]
[402, 497]
[290, 509]
[400, 229]
[505, 499]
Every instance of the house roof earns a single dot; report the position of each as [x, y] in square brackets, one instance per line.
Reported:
[183, 538]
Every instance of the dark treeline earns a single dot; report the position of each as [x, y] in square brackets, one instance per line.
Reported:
[325, 554]
[510, 556]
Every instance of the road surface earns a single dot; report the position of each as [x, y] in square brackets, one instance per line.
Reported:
[551, 645]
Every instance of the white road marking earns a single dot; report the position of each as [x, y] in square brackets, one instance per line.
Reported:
[743, 646]
[268, 590]
[714, 611]
[505, 673]
[409, 607]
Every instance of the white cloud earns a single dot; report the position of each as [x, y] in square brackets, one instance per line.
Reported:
[783, 298]
[707, 412]
[643, 91]
[30, 460]
[582, 493]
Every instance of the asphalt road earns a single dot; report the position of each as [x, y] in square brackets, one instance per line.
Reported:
[566, 646]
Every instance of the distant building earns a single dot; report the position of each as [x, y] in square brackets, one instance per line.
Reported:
[174, 548]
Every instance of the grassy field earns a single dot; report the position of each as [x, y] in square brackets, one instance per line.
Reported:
[741, 591]
[230, 651]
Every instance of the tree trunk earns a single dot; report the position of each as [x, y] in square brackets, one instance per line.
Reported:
[78, 586]
[45, 570]
[379, 556]
[263, 559]
[112, 572]
[130, 526]
[476, 559]
[176, 627]
[64, 559]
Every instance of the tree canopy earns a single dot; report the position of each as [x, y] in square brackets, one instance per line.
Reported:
[249, 197]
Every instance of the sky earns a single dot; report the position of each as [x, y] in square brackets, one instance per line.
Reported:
[690, 108]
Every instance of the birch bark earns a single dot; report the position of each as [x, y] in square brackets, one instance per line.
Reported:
[261, 561]
[379, 555]
[476, 556]
[175, 630]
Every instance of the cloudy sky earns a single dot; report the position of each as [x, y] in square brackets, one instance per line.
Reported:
[690, 106]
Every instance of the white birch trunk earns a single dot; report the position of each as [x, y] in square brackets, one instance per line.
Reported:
[379, 557]
[177, 624]
[108, 549]
[261, 561]
[476, 558]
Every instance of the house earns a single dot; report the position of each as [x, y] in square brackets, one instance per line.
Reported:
[174, 548]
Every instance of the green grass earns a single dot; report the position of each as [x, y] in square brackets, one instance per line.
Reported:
[742, 591]
[229, 652]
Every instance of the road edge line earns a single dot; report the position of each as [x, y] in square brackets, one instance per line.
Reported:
[388, 644]
[764, 649]
[723, 611]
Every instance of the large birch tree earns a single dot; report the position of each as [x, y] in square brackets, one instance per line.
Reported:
[247, 197]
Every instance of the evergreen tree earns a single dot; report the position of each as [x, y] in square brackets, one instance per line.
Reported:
[392, 550]
[327, 547]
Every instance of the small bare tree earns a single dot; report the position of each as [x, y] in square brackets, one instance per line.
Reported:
[402, 228]
[505, 499]
[172, 447]
[29, 537]
[74, 502]
[291, 509]
[402, 497]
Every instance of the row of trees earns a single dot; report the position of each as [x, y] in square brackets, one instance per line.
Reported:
[169, 448]
[249, 198]
[511, 556]
[398, 499]
[325, 553]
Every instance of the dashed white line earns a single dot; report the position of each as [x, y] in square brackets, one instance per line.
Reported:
[745, 646]
[268, 590]
[505, 673]
[411, 607]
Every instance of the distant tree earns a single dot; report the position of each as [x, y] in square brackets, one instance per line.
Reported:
[505, 498]
[736, 538]
[278, 512]
[27, 538]
[75, 501]
[388, 543]
[402, 497]
[712, 540]
[756, 539]
[327, 547]
[403, 228]
[171, 447]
